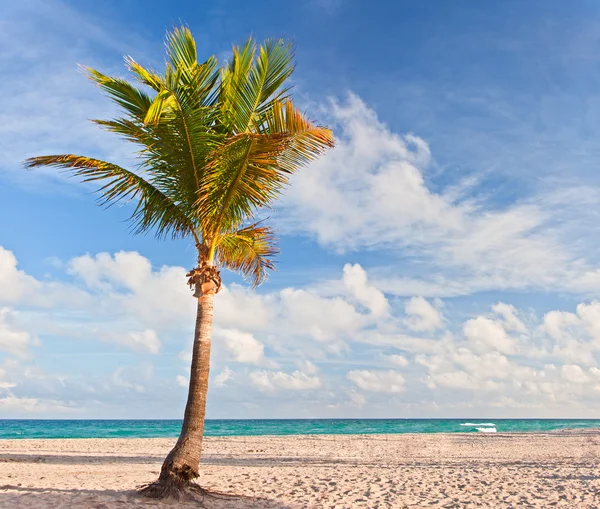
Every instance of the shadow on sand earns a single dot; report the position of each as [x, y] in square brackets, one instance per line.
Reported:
[15, 496]
[158, 459]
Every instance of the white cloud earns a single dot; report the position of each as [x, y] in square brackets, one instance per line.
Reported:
[573, 373]
[372, 192]
[307, 367]
[122, 378]
[271, 381]
[129, 269]
[182, 381]
[13, 282]
[509, 317]
[127, 281]
[242, 346]
[17, 287]
[239, 307]
[462, 380]
[355, 280]
[357, 398]
[398, 360]
[140, 341]
[377, 381]
[223, 377]
[486, 334]
[12, 339]
[18, 406]
[324, 319]
[421, 315]
[503, 359]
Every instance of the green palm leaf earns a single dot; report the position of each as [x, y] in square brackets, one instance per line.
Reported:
[248, 84]
[248, 171]
[154, 209]
[134, 101]
[248, 250]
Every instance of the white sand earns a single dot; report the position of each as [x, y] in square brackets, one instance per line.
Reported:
[377, 471]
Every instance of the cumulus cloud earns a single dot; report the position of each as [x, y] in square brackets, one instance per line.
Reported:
[242, 346]
[325, 319]
[377, 381]
[486, 334]
[307, 367]
[355, 280]
[573, 373]
[508, 315]
[130, 286]
[14, 282]
[550, 363]
[271, 381]
[123, 300]
[421, 315]
[12, 339]
[238, 307]
[505, 358]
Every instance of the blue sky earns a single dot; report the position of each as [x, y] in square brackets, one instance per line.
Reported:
[443, 260]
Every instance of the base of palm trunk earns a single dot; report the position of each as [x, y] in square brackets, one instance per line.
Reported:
[181, 492]
[180, 486]
[175, 483]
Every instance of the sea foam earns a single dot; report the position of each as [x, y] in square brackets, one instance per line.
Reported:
[473, 424]
[488, 429]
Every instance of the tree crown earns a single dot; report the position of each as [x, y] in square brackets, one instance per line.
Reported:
[215, 144]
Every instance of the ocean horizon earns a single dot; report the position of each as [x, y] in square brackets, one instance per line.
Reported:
[166, 428]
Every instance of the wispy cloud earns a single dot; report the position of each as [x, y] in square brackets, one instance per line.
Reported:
[372, 192]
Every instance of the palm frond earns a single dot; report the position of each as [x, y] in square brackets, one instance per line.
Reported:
[233, 77]
[248, 250]
[305, 141]
[250, 83]
[241, 176]
[162, 100]
[273, 67]
[248, 171]
[181, 48]
[146, 76]
[135, 101]
[154, 209]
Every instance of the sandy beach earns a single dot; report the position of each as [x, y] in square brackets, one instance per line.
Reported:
[557, 469]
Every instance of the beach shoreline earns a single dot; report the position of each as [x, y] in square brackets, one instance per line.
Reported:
[557, 468]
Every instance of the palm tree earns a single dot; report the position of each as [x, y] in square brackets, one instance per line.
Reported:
[216, 143]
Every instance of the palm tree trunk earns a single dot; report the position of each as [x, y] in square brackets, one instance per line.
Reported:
[181, 465]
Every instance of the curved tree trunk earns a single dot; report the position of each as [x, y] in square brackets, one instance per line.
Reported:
[181, 465]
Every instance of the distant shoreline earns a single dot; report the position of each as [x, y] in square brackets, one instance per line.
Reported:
[317, 436]
[169, 428]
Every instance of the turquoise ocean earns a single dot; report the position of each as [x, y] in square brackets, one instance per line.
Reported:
[12, 428]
